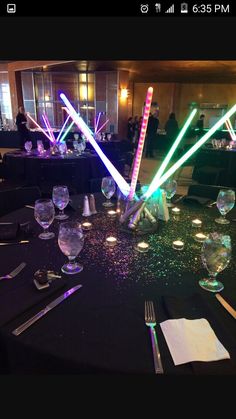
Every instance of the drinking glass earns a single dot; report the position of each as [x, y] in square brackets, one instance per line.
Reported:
[215, 255]
[28, 146]
[169, 187]
[62, 148]
[71, 241]
[225, 202]
[44, 213]
[60, 197]
[76, 137]
[108, 188]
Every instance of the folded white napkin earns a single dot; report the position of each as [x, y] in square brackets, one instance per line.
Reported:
[192, 340]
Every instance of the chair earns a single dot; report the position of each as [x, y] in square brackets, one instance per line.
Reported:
[209, 175]
[95, 185]
[205, 191]
[57, 173]
[13, 199]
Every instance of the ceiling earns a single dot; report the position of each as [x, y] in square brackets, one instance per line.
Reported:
[158, 71]
[162, 71]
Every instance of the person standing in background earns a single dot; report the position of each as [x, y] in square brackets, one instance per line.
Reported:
[171, 128]
[135, 129]
[200, 122]
[21, 121]
[153, 124]
[130, 129]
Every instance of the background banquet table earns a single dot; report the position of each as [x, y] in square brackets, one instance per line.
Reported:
[37, 170]
[215, 167]
[101, 328]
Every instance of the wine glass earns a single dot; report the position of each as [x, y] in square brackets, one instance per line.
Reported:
[169, 186]
[71, 241]
[44, 213]
[108, 188]
[215, 255]
[225, 202]
[60, 197]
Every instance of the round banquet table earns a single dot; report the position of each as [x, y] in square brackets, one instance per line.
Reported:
[35, 169]
[101, 328]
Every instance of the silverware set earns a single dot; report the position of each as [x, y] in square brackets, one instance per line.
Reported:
[14, 272]
[150, 320]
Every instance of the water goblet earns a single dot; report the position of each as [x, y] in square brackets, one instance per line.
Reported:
[108, 188]
[169, 187]
[28, 146]
[71, 241]
[61, 197]
[215, 255]
[62, 149]
[44, 213]
[225, 202]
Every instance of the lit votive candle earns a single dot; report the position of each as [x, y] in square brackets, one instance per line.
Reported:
[176, 210]
[142, 247]
[86, 225]
[111, 213]
[111, 241]
[200, 237]
[178, 245]
[196, 223]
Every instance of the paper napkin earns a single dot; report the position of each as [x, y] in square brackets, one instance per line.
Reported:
[192, 340]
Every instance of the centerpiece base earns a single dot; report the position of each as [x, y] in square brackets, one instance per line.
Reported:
[142, 228]
[140, 222]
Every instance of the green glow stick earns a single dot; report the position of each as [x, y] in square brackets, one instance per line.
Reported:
[157, 181]
[66, 131]
[175, 144]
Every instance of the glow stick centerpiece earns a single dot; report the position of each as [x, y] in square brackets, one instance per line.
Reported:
[159, 178]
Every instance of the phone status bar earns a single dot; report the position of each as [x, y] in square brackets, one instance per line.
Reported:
[142, 8]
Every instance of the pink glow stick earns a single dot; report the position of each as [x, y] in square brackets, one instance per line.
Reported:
[230, 129]
[102, 126]
[50, 128]
[141, 140]
[37, 125]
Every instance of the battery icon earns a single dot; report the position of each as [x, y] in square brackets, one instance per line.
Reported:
[184, 7]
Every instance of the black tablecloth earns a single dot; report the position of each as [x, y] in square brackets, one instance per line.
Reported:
[101, 328]
[31, 168]
[215, 167]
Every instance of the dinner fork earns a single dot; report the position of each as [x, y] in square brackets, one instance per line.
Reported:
[150, 320]
[15, 272]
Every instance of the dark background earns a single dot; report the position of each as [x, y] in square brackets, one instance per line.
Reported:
[117, 38]
[142, 37]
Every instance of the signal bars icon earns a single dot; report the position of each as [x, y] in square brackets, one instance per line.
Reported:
[171, 9]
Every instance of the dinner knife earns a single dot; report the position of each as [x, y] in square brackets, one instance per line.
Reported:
[226, 305]
[45, 310]
[9, 243]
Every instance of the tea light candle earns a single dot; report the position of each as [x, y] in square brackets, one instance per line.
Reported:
[178, 245]
[175, 210]
[200, 237]
[86, 225]
[196, 223]
[111, 213]
[142, 247]
[111, 241]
